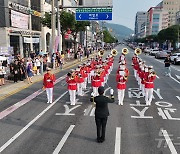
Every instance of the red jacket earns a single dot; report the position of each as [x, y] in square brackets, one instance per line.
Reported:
[96, 81]
[49, 80]
[121, 82]
[72, 84]
[149, 82]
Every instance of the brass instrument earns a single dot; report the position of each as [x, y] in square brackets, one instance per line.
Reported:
[114, 52]
[101, 53]
[138, 51]
[153, 73]
[125, 77]
[125, 51]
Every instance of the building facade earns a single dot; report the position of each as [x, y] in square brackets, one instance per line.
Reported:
[157, 19]
[20, 25]
[178, 18]
[172, 7]
[141, 18]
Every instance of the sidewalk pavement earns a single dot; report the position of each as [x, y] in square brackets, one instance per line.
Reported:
[11, 88]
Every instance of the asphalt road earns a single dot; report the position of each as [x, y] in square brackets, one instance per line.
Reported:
[30, 126]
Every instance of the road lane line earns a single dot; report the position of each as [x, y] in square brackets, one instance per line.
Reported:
[169, 142]
[118, 141]
[30, 123]
[178, 97]
[63, 140]
[174, 79]
[14, 107]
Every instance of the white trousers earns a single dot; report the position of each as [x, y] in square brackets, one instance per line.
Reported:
[143, 89]
[79, 89]
[95, 91]
[148, 95]
[135, 73]
[89, 77]
[121, 93]
[49, 92]
[85, 83]
[72, 94]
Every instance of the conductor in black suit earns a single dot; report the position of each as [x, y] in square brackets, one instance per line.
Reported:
[101, 112]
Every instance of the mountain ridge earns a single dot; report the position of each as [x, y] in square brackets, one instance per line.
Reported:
[119, 31]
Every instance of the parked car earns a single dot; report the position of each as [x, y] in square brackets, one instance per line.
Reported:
[147, 50]
[153, 52]
[161, 54]
[177, 60]
[174, 56]
[168, 51]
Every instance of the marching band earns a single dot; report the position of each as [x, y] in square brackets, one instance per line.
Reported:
[145, 76]
[97, 70]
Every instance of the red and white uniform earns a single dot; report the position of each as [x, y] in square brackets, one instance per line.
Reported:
[48, 83]
[96, 83]
[149, 86]
[72, 87]
[121, 86]
[80, 82]
[84, 75]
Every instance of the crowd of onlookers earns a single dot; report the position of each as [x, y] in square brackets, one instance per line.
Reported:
[20, 69]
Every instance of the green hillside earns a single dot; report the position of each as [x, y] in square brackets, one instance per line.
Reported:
[119, 31]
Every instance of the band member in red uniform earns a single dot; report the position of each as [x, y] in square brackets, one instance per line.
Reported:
[72, 87]
[121, 85]
[80, 81]
[96, 82]
[149, 86]
[48, 83]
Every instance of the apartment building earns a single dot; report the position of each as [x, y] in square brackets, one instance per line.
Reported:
[141, 18]
[157, 19]
[172, 7]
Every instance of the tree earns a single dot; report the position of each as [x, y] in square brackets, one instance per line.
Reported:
[68, 21]
[108, 38]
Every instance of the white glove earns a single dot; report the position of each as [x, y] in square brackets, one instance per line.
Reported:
[92, 94]
[111, 91]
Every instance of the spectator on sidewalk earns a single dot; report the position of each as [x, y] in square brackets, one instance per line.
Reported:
[42, 64]
[16, 71]
[167, 63]
[29, 71]
[22, 71]
[38, 64]
[2, 74]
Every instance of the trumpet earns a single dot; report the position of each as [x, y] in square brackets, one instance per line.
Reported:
[153, 73]
[101, 53]
[125, 51]
[138, 51]
[114, 52]
[125, 77]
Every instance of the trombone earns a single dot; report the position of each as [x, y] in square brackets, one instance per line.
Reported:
[125, 51]
[114, 52]
[138, 51]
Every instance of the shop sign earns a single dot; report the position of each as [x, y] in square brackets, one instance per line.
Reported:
[31, 40]
[24, 9]
[19, 20]
[6, 50]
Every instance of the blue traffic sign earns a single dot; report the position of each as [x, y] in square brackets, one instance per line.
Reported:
[93, 16]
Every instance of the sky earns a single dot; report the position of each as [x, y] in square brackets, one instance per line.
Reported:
[124, 11]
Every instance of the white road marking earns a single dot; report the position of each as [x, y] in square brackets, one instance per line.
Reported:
[174, 79]
[169, 142]
[19, 104]
[178, 97]
[68, 110]
[30, 123]
[178, 77]
[86, 111]
[106, 90]
[118, 141]
[92, 112]
[63, 140]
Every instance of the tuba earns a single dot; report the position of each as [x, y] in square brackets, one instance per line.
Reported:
[125, 51]
[114, 52]
[101, 53]
[138, 51]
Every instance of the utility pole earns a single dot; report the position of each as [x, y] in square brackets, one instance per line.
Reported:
[53, 26]
[59, 2]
